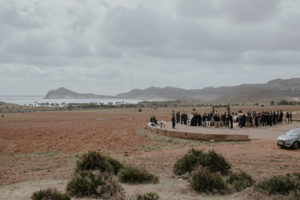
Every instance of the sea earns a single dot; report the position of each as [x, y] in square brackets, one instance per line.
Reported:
[39, 100]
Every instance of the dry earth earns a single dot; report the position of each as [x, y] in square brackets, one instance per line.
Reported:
[39, 150]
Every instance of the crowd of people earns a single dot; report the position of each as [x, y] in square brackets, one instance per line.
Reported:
[230, 120]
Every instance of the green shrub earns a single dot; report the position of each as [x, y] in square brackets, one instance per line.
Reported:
[189, 162]
[116, 165]
[136, 175]
[49, 194]
[148, 196]
[277, 185]
[216, 163]
[97, 161]
[204, 181]
[93, 184]
[240, 181]
[211, 160]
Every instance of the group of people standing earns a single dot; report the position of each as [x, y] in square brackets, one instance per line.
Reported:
[229, 120]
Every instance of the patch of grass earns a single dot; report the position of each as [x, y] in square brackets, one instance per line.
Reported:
[96, 161]
[240, 181]
[277, 185]
[94, 184]
[136, 175]
[37, 169]
[203, 181]
[295, 197]
[148, 196]
[194, 158]
[49, 194]
[297, 174]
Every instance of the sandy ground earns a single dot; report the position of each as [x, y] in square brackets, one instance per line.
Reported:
[39, 150]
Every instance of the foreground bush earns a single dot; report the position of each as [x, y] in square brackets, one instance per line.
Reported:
[204, 181]
[189, 162]
[277, 185]
[217, 163]
[240, 181]
[94, 184]
[97, 161]
[211, 160]
[148, 196]
[136, 175]
[49, 194]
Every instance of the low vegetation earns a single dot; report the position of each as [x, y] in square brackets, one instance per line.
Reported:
[148, 196]
[94, 184]
[97, 161]
[203, 181]
[195, 158]
[216, 163]
[49, 194]
[240, 181]
[136, 175]
[277, 185]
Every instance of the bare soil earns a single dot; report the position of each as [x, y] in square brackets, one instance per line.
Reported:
[39, 150]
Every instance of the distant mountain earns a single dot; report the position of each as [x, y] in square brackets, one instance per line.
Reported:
[247, 93]
[63, 93]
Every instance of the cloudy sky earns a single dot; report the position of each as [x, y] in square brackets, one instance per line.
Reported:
[113, 46]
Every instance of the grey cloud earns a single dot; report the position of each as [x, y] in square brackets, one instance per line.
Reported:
[251, 11]
[111, 46]
[135, 28]
[25, 18]
[237, 10]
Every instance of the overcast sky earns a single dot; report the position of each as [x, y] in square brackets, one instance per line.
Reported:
[113, 46]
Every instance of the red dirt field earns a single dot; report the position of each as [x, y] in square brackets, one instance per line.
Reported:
[44, 146]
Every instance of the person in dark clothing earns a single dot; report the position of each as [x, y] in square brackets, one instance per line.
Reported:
[281, 117]
[287, 117]
[153, 121]
[244, 120]
[177, 117]
[199, 120]
[194, 120]
[231, 120]
[256, 119]
[270, 118]
[224, 119]
[217, 120]
[204, 119]
[173, 120]
[208, 118]
[181, 118]
[184, 118]
[227, 121]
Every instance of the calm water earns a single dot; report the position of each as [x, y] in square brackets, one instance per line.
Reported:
[36, 100]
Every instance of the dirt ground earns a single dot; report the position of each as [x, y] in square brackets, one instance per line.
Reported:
[39, 150]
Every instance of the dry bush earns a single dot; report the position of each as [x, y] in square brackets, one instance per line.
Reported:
[94, 184]
[49, 194]
[203, 181]
[195, 158]
[96, 161]
[136, 175]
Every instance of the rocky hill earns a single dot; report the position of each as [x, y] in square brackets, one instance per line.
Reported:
[247, 93]
[63, 93]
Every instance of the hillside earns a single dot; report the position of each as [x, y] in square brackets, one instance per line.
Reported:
[63, 93]
[247, 93]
